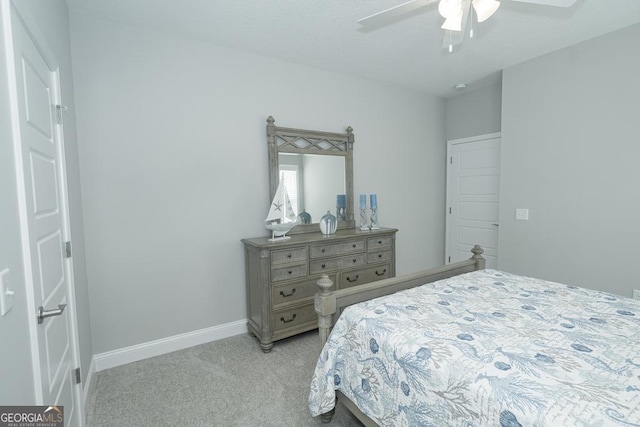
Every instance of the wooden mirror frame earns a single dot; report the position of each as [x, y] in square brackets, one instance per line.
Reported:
[283, 140]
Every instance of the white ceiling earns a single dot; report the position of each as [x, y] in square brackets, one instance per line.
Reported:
[407, 52]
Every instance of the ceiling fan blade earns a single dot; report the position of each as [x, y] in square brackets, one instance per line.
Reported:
[557, 3]
[394, 12]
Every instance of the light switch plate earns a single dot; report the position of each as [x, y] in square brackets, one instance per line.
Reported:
[6, 294]
[522, 214]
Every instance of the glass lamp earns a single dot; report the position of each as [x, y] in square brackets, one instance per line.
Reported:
[485, 8]
[452, 11]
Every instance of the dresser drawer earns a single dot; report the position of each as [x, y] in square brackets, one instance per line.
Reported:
[337, 248]
[375, 243]
[284, 319]
[367, 275]
[292, 272]
[331, 264]
[286, 293]
[382, 256]
[288, 255]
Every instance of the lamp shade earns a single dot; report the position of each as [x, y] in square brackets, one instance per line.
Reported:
[452, 11]
[485, 8]
[453, 24]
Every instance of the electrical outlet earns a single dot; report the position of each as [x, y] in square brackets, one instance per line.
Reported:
[636, 294]
[522, 214]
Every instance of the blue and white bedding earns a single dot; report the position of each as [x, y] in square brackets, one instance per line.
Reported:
[486, 348]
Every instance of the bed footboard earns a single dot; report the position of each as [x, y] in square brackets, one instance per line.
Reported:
[329, 304]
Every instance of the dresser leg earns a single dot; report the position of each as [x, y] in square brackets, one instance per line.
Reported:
[266, 347]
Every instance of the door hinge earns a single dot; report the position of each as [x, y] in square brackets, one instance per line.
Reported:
[449, 209]
[451, 160]
[59, 110]
[449, 259]
[67, 249]
[77, 375]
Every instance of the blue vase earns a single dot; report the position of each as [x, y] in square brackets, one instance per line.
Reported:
[305, 217]
[328, 223]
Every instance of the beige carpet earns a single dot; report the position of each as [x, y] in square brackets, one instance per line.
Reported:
[225, 383]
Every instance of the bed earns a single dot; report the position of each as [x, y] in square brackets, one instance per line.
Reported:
[475, 347]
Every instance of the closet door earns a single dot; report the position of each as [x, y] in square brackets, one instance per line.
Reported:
[473, 197]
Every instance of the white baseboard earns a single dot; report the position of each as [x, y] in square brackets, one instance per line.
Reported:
[111, 359]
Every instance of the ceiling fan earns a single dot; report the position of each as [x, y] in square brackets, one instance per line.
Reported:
[455, 12]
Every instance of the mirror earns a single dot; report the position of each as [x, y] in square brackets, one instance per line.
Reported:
[313, 182]
[317, 168]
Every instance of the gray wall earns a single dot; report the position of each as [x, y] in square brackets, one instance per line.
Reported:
[174, 170]
[51, 17]
[570, 128]
[474, 113]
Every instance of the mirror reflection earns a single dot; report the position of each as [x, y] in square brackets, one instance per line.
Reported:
[313, 183]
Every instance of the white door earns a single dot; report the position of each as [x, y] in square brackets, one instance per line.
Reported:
[45, 229]
[473, 196]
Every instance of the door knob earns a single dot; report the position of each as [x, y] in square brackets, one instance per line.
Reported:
[43, 314]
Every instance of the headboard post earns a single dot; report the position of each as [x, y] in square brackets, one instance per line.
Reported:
[478, 258]
[325, 306]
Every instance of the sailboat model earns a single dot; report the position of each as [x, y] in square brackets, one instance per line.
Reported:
[281, 216]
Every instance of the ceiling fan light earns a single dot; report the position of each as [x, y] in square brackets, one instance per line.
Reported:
[452, 11]
[485, 8]
[442, 8]
[453, 24]
[449, 8]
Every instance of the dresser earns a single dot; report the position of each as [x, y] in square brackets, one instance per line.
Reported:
[281, 277]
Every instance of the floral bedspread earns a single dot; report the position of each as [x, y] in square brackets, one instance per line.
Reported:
[487, 348]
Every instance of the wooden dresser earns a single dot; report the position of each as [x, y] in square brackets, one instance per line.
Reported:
[281, 277]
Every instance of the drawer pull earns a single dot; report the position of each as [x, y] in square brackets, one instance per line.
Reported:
[379, 255]
[355, 260]
[293, 291]
[353, 246]
[323, 265]
[289, 256]
[350, 280]
[290, 271]
[379, 242]
[289, 319]
[381, 274]
[322, 250]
